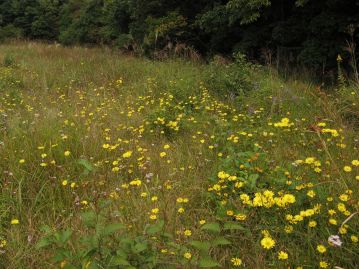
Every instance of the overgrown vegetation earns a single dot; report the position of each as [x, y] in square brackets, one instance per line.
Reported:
[109, 161]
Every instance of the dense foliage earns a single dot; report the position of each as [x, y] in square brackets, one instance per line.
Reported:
[282, 32]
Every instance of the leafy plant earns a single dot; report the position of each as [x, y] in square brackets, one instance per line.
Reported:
[8, 61]
[231, 79]
[105, 244]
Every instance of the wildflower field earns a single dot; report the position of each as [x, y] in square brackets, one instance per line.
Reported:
[110, 161]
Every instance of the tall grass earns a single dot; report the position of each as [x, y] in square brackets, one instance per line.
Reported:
[70, 115]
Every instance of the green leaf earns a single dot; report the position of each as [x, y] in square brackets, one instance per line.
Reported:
[252, 180]
[91, 250]
[167, 235]
[139, 247]
[200, 245]
[155, 228]
[112, 228]
[46, 229]
[208, 262]
[58, 257]
[63, 236]
[212, 227]
[220, 241]
[118, 260]
[43, 242]
[92, 265]
[86, 164]
[233, 226]
[121, 253]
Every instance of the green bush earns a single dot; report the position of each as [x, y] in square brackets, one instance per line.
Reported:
[10, 31]
[8, 61]
[104, 245]
[232, 80]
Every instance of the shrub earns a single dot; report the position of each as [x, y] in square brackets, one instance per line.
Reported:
[105, 245]
[8, 61]
[10, 31]
[234, 79]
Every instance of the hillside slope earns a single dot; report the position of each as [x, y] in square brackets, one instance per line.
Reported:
[109, 161]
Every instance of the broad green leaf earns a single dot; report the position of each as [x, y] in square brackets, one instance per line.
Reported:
[200, 245]
[208, 262]
[220, 241]
[46, 229]
[91, 250]
[252, 179]
[167, 235]
[63, 236]
[139, 247]
[43, 242]
[118, 260]
[86, 164]
[155, 228]
[112, 228]
[92, 265]
[121, 253]
[212, 227]
[58, 257]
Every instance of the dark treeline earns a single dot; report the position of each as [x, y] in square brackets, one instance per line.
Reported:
[308, 33]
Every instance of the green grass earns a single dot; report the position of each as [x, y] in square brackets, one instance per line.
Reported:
[98, 105]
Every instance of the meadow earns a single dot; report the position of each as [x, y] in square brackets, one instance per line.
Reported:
[112, 161]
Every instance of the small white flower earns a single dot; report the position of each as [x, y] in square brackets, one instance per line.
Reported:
[335, 240]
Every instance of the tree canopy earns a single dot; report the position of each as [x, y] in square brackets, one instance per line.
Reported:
[301, 32]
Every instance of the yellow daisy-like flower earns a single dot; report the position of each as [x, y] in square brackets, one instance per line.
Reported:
[14, 222]
[311, 193]
[230, 213]
[202, 222]
[282, 255]
[347, 168]
[321, 248]
[267, 243]
[354, 238]
[127, 154]
[155, 210]
[187, 232]
[323, 264]
[187, 255]
[344, 197]
[236, 261]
